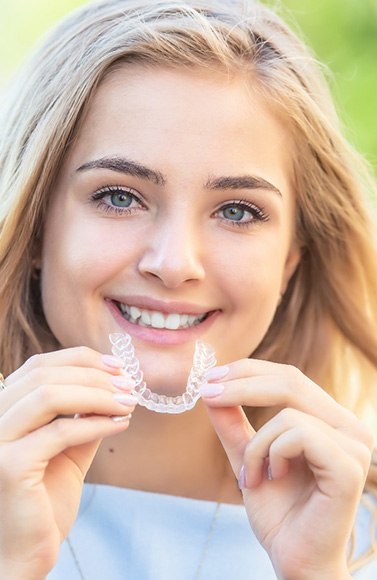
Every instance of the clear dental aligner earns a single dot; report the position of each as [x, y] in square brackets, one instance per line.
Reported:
[204, 358]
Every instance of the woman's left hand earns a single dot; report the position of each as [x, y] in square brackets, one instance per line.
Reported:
[302, 472]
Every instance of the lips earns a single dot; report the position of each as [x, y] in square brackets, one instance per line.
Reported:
[159, 320]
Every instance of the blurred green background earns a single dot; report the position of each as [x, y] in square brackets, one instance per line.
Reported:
[342, 33]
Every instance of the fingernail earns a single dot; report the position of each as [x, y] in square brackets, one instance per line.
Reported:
[269, 473]
[122, 382]
[216, 373]
[125, 399]
[112, 361]
[242, 478]
[211, 390]
[121, 418]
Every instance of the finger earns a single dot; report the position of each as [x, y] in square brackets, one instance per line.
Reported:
[81, 356]
[258, 449]
[42, 376]
[234, 432]
[46, 403]
[288, 387]
[335, 471]
[41, 446]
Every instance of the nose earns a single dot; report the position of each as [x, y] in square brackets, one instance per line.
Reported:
[173, 254]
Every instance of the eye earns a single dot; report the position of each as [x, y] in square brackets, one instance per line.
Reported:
[234, 213]
[241, 212]
[117, 199]
[121, 199]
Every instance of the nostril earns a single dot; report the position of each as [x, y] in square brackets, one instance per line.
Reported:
[171, 273]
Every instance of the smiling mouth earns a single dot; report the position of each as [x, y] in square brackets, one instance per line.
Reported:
[160, 320]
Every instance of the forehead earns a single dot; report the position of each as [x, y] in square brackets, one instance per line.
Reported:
[193, 118]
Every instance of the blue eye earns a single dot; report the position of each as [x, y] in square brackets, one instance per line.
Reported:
[121, 199]
[117, 200]
[234, 213]
[242, 213]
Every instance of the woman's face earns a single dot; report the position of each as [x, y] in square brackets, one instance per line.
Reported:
[172, 220]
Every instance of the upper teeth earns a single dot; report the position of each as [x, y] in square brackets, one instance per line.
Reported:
[156, 319]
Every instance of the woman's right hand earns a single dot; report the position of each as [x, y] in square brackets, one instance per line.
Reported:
[45, 452]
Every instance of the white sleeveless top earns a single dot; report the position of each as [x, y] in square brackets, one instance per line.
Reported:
[123, 534]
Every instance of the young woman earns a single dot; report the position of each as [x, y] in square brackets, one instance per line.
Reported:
[174, 171]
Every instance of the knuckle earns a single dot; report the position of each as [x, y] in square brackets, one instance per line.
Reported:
[294, 377]
[291, 383]
[47, 396]
[367, 436]
[288, 416]
[85, 352]
[356, 475]
[365, 456]
[35, 361]
[242, 367]
[61, 428]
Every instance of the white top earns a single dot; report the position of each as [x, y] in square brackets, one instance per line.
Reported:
[123, 534]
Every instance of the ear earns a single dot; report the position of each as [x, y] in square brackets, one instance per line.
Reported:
[292, 261]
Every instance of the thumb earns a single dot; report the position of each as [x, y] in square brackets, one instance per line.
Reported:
[234, 431]
[83, 455]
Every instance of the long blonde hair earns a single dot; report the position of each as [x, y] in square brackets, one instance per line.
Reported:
[327, 320]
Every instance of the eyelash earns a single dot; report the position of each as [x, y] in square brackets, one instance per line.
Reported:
[110, 190]
[257, 213]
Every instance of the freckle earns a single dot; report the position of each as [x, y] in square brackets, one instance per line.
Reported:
[111, 450]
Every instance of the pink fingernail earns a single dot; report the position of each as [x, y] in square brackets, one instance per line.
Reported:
[211, 390]
[121, 418]
[216, 373]
[269, 475]
[125, 399]
[122, 382]
[242, 478]
[112, 361]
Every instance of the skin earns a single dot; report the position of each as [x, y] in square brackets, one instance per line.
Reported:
[175, 249]
[178, 245]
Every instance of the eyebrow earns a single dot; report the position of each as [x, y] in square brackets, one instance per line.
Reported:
[136, 169]
[241, 182]
[123, 165]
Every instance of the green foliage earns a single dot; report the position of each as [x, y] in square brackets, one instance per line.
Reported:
[342, 33]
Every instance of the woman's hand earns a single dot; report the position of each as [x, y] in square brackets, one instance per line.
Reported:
[45, 451]
[302, 472]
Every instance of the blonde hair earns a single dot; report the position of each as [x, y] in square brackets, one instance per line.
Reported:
[326, 323]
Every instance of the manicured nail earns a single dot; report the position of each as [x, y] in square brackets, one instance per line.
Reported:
[125, 399]
[216, 373]
[121, 418]
[122, 382]
[112, 361]
[211, 390]
[242, 478]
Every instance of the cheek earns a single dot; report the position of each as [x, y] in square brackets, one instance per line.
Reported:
[83, 253]
[250, 279]
[252, 267]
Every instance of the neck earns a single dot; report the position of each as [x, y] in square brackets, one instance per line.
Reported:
[171, 454]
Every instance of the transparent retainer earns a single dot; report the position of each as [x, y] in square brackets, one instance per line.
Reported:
[204, 358]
